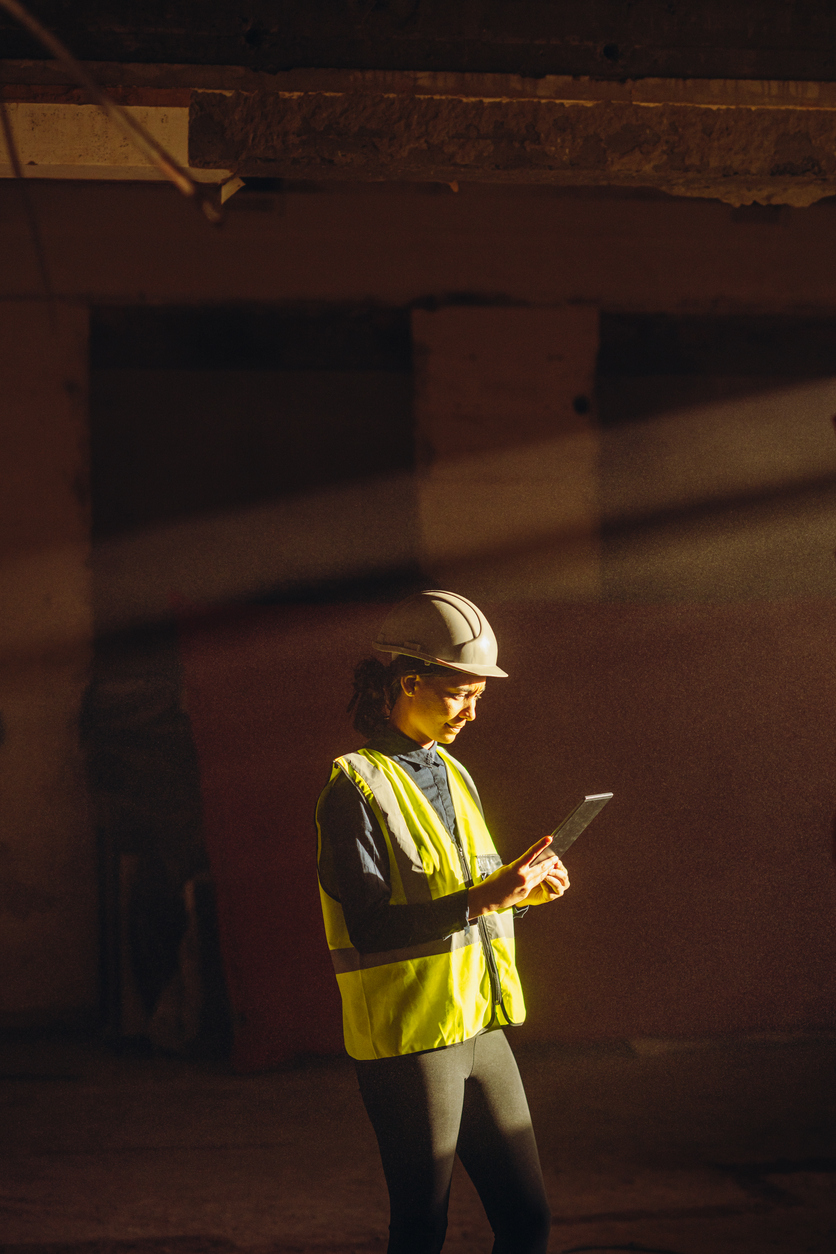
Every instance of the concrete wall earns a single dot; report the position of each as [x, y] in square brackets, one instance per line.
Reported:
[48, 904]
[508, 450]
[395, 244]
[687, 668]
[702, 898]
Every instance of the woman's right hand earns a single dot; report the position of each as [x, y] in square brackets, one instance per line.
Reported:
[511, 884]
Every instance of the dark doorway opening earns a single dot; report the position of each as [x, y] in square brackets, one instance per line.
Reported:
[198, 413]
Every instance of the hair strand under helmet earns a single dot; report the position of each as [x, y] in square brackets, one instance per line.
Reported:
[441, 627]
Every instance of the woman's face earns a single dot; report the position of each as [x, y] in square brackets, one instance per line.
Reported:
[435, 707]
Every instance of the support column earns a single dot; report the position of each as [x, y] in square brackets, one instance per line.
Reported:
[47, 858]
[508, 451]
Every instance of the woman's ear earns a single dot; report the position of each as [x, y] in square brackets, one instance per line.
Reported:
[409, 684]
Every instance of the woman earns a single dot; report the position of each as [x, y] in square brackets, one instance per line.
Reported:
[418, 913]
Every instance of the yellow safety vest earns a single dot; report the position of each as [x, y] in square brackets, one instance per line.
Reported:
[444, 991]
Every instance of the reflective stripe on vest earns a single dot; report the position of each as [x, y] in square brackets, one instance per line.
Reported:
[444, 991]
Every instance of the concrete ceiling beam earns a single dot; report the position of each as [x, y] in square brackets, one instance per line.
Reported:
[740, 141]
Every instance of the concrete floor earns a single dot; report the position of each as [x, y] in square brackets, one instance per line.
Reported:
[697, 1148]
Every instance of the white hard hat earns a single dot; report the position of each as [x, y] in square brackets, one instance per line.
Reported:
[441, 627]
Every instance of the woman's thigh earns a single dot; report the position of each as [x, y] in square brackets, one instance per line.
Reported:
[467, 1098]
[414, 1103]
[498, 1150]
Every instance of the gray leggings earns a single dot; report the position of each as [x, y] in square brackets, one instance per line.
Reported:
[469, 1099]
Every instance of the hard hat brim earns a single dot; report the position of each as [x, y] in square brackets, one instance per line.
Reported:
[483, 671]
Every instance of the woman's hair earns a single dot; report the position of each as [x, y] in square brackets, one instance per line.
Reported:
[377, 688]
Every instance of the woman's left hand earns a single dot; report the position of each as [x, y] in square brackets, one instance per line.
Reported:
[550, 888]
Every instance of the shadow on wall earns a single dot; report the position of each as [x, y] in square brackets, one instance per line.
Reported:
[698, 689]
[718, 463]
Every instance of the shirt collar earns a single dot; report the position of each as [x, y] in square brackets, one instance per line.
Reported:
[396, 745]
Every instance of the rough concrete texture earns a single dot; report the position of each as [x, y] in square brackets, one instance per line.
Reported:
[739, 141]
[676, 1149]
[739, 155]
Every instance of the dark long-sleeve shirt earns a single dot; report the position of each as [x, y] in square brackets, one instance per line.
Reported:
[354, 861]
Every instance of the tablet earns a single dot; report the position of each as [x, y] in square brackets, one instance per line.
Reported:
[572, 826]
